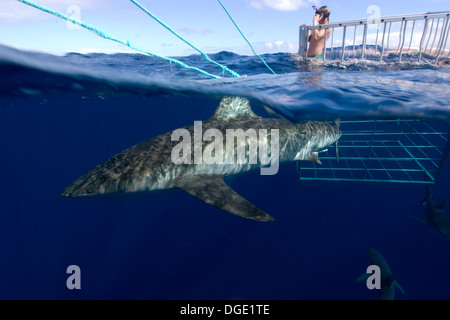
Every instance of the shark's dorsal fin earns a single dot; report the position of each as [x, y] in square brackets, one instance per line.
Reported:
[234, 107]
[337, 122]
[213, 190]
[377, 259]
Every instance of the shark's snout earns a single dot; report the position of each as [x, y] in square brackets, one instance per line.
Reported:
[77, 189]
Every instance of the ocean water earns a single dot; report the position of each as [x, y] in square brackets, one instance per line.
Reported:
[62, 116]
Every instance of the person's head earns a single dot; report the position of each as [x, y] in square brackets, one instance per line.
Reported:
[324, 12]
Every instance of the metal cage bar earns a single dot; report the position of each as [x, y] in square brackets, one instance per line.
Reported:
[412, 33]
[442, 39]
[363, 51]
[376, 39]
[343, 43]
[403, 40]
[424, 32]
[435, 35]
[431, 32]
[382, 41]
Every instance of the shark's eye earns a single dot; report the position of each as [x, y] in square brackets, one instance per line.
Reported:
[180, 176]
[89, 191]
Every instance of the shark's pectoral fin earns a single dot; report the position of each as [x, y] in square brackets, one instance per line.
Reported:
[363, 277]
[418, 219]
[314, 156]
[213, 190]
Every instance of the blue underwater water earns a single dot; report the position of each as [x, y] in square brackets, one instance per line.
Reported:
[62, 116]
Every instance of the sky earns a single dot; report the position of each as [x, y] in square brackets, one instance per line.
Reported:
[270, 25]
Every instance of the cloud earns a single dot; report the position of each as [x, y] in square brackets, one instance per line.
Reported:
[15, 11]
[189, 31]
[279, 46]
[282, 5]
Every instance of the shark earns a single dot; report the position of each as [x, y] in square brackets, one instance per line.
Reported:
[436, 216]
[150, 166]
[387, 281]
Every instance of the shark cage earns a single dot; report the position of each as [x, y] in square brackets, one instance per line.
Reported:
[397, 151]
[417, 35]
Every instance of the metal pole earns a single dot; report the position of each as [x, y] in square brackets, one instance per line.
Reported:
[354, 40]
[382, 41]
[343, 44]
[332, 40]
[423, 38]
[400, 35]
[435, 34]
[412, 33]
[403, 41]
[325, 45]
[303, 42]
[441, 37]
[429, 37]
[388, 37]
[364, 42]
[444, 34]
[376, 39]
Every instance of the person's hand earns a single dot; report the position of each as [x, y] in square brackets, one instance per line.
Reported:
[316, 19]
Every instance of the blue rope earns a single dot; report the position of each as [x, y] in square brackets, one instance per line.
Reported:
[106, 36]
[245, 37]
[224, 68]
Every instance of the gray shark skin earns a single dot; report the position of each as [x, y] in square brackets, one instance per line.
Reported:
[148, 166]
[388, 282]
[436, 216]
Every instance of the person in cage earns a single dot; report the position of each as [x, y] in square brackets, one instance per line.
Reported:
[317, 36]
